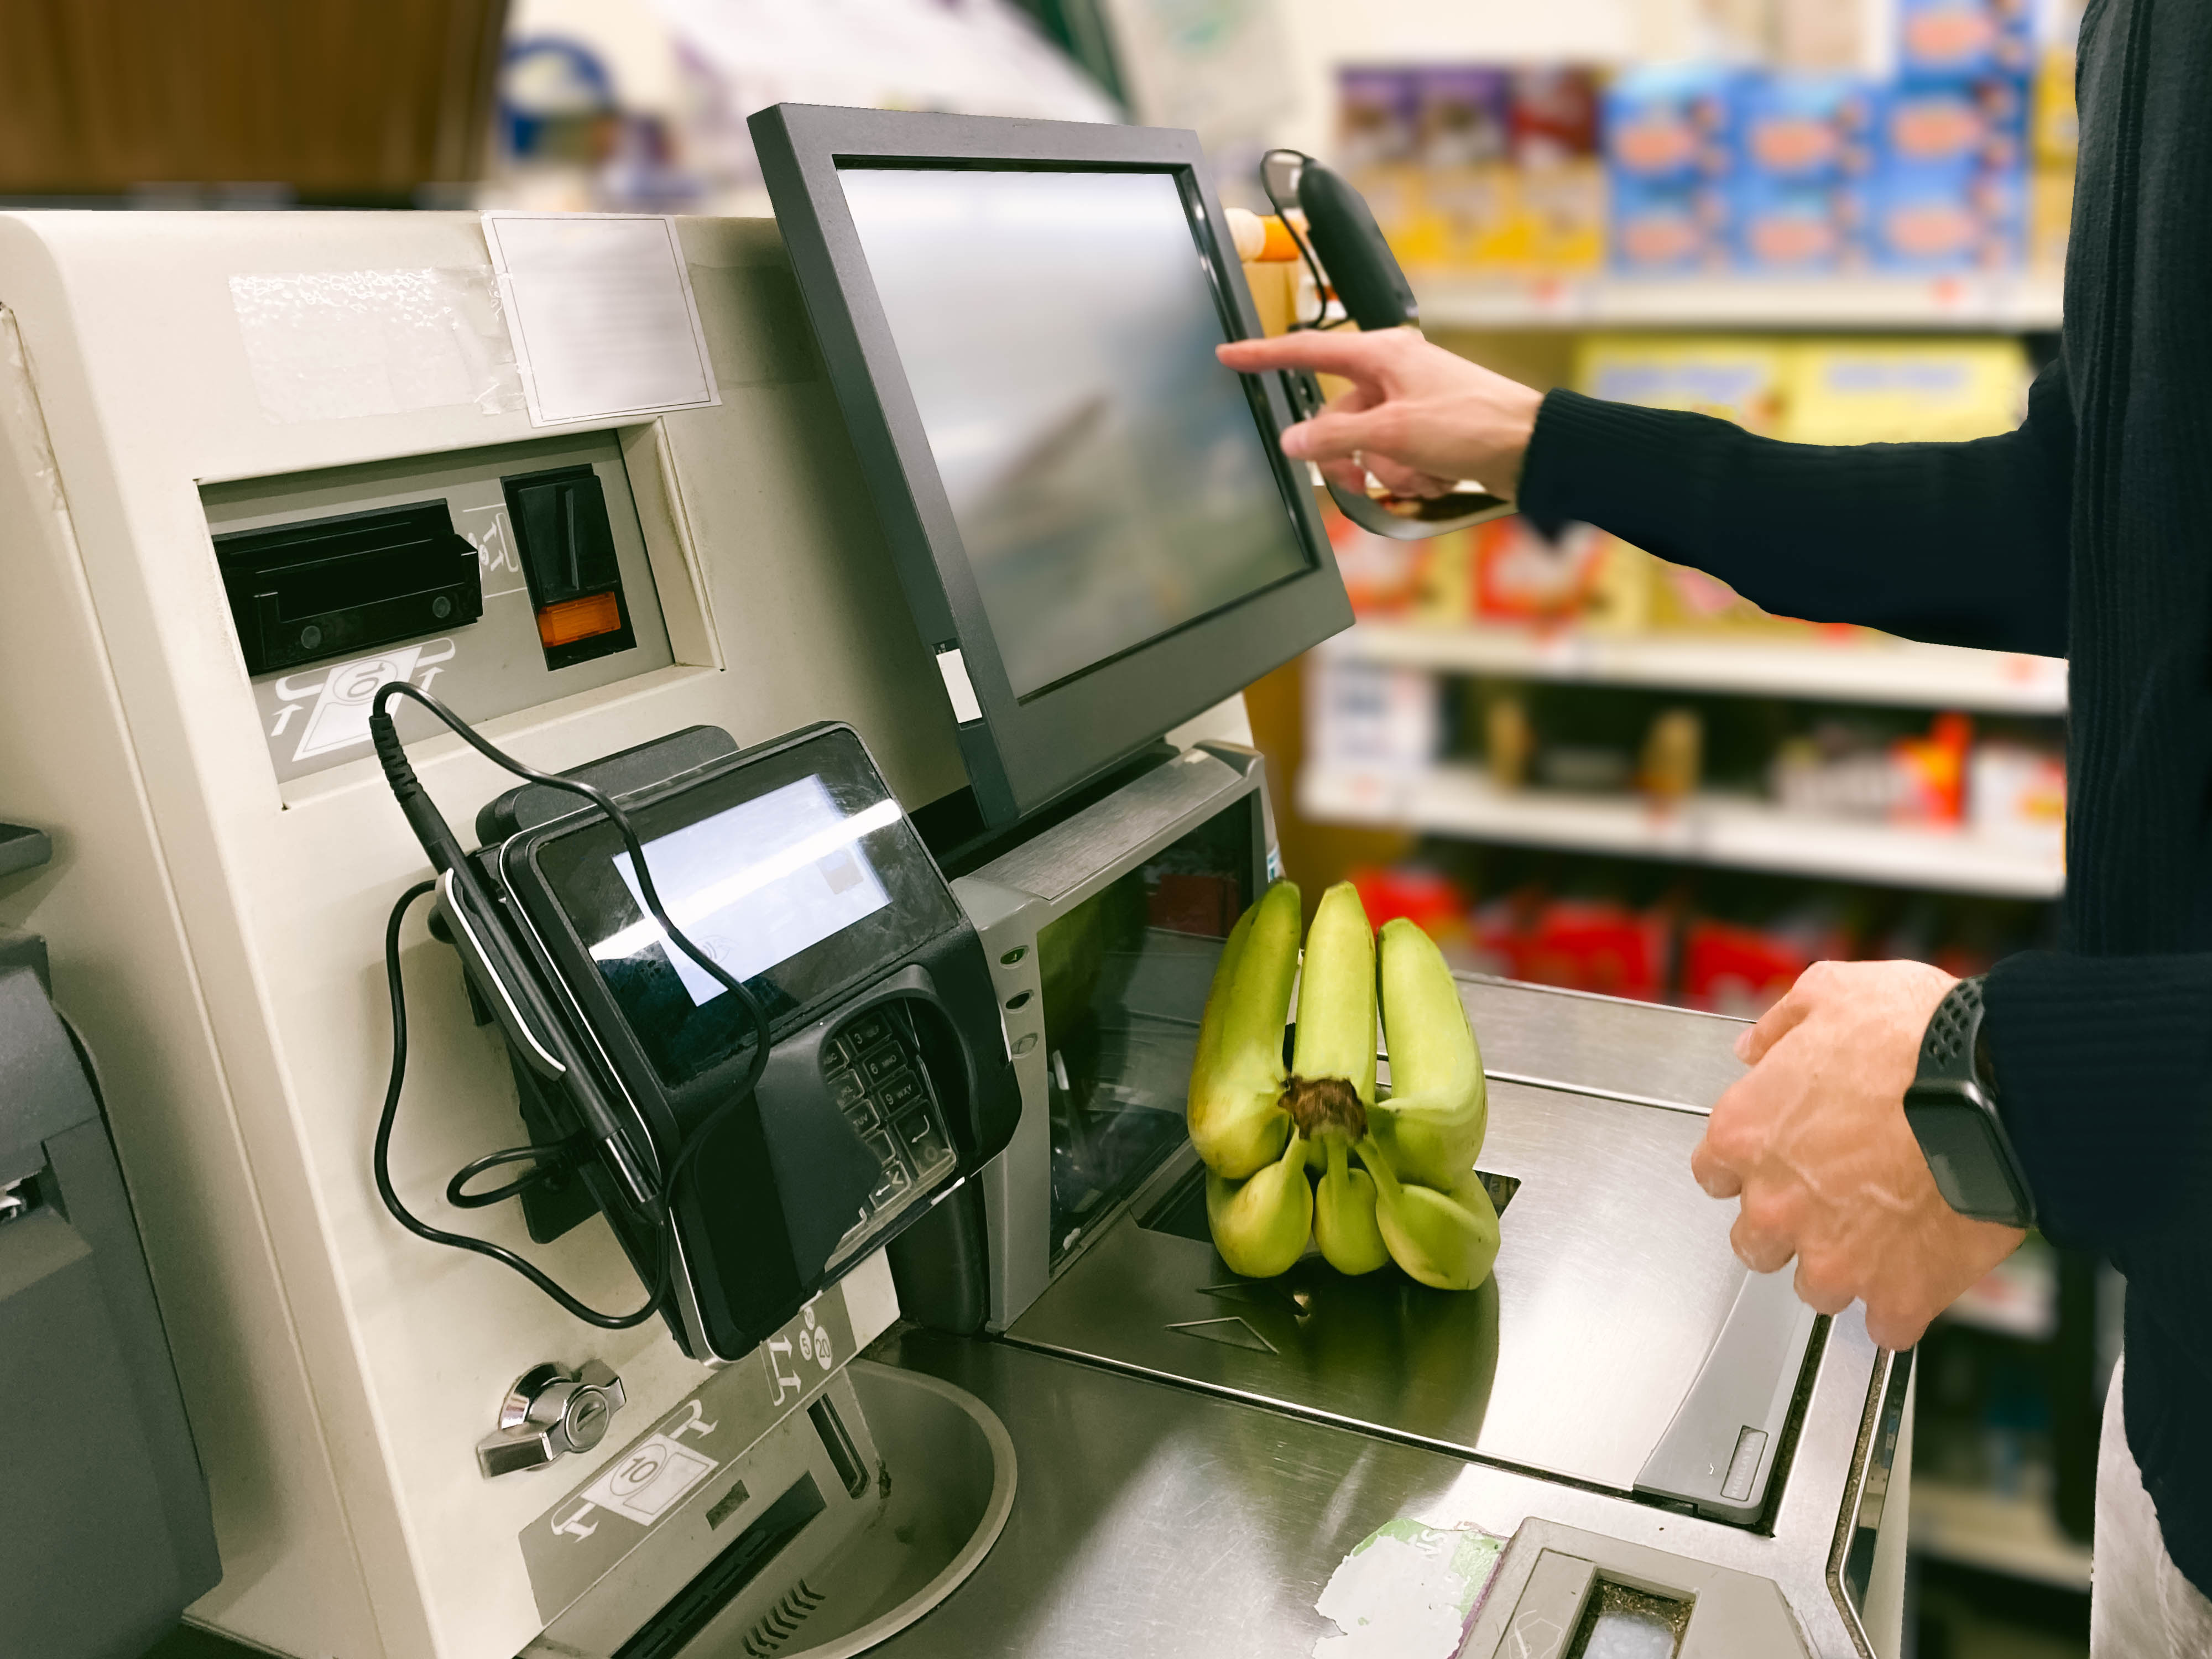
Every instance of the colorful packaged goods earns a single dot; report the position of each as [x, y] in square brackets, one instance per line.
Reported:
[1668, 229]
[1784, 229]
[1671, 126]
[1734, 378]
[1521, 575]
[1947, 40]
[1582, 945]
[1806, 129]
[1876, 391]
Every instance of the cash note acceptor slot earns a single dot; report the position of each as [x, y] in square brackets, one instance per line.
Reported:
[747, 1020]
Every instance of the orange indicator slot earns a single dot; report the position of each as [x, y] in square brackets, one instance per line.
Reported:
[579, 619]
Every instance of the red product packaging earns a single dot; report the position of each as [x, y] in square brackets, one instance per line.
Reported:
[1730, 969]
[1435, 903]
[1581, 945]
[1519, 576]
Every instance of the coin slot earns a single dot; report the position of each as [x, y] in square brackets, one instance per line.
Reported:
[837, 1441]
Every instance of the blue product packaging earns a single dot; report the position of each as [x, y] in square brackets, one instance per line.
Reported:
[1670, 125]
[1949, 219]
[1786, 228]
[1667, 228]
[1805, 129]
[1951, 124]
[1943, 40]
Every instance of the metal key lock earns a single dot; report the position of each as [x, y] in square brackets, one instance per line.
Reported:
[550, 1412]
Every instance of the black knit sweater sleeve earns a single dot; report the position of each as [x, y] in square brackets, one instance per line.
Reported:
[1962, 543]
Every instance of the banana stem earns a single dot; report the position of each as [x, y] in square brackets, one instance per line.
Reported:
[1337, 1166]
[1386, 1178]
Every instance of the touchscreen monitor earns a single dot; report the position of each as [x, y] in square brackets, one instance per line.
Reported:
[1091, 520]
[1110, 479]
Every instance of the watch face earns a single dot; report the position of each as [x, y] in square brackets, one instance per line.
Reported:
[1967, 1160]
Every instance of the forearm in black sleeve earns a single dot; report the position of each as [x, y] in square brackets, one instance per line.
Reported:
[2104, 1073]
[1960, 543]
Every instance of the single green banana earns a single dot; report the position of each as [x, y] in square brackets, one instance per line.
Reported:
[1235, 1111]
[1260, 1225]
[1431, 1125]
[1344, 1216]
[1332, 1062]
[1446, 1240]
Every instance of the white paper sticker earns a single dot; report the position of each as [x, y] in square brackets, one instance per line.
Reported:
[1407, 1591]
[602, 313]
[957, 687]
[646, 1482]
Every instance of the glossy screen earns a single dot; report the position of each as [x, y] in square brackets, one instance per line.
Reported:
[1110, 480]
[797, 872]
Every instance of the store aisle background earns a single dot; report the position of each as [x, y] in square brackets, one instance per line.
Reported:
[1841, 221]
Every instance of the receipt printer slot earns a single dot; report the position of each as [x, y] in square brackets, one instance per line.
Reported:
[338, 587]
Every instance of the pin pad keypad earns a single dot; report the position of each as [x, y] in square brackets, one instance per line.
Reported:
[874, 1072]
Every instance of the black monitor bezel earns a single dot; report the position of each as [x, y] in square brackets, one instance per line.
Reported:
[1023, 753]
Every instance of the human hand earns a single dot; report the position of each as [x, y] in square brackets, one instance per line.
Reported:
[1418, 417]
[1815, 1141]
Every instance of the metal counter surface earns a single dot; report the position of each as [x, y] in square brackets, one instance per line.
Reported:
[1632, 1051]
[1156, 1519]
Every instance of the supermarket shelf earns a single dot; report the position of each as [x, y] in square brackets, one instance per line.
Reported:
[1740, 834]
[1855, 671]
[2014, 302]
[2016, 1536]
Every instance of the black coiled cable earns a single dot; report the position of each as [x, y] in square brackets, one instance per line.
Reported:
[545, 1158]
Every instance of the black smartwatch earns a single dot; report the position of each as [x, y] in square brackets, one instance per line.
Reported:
[1952, 1106]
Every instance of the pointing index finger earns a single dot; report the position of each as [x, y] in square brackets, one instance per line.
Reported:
[1355, 356]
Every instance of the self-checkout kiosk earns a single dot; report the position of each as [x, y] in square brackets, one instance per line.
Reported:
[826, 1066]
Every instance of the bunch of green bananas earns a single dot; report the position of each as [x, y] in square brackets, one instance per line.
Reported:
[1260, 1128]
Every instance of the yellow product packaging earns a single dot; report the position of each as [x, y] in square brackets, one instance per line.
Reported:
[1619, 596]
[1737, 378]
[2049, 216]
[2057, 134]
[1565, 209]
[1443, 579]
[1395, 196]
[1869, 391]
[1490, 229]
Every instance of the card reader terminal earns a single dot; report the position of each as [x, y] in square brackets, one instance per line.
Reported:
[794, 868]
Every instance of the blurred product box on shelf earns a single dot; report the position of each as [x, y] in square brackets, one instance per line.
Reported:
[1671, 125]
[1424, 582]
[2057, 125]
[2016, 793]
[1379, 118]
[1955, 124]
[1731, 967]
[2049, 217]
[1944, 40]
[1738, 378]
[1835, 771]
[1522, 576]
[1879, 391]
[1943, 220]
[1579, 943]
[1371, 717]
[1432, 901]
[1806, 129]
[1552, 118]
[1784, 228]
[1668, 229]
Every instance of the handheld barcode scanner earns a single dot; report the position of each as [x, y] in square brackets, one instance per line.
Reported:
[1346, 250]
[742, 1009]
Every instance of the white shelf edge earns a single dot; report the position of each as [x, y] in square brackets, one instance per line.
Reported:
[1902, 673]
[1721, 832]
[2012, 302]
[2016, 1536]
